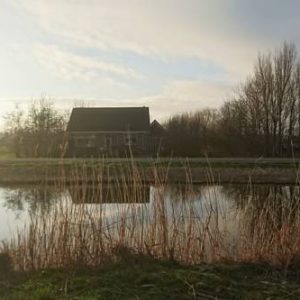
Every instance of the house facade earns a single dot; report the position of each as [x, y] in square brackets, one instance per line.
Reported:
[111, 131]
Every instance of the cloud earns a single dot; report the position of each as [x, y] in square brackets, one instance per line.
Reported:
[139, 52]
[177, 97]
[71, 66]
[185, 96]
[167, 29]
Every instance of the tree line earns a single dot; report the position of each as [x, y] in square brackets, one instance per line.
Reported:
[39, 131]
[261, 119]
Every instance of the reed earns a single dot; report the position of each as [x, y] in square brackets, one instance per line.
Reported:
[95, 221]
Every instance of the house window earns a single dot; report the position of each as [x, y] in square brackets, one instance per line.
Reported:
[85, 141]
[130, 140]
[90, 143]
[108, 141]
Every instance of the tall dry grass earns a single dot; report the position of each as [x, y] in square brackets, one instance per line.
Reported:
[105, 220]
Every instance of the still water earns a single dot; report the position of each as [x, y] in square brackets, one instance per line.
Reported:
[19, 204]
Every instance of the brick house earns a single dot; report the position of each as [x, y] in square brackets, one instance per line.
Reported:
[113, 131]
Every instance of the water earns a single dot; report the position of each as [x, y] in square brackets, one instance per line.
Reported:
[19, 204]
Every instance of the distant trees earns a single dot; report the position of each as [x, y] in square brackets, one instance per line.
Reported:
[38, 132]
[268, 104]
[191, 134]
[262, 119]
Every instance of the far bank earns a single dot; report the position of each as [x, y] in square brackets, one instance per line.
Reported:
[151, 170]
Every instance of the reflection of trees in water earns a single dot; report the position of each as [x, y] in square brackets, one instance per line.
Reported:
[31, 198]
[270, 206]
[275, 204]
[184, 192]
[36, 199]
[264, 196]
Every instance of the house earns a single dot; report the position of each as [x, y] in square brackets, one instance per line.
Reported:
[113, 131]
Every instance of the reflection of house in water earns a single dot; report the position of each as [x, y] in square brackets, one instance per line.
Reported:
[110, 194]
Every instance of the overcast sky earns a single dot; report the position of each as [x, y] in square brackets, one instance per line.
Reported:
[171, 55]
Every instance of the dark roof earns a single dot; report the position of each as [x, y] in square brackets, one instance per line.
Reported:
[109, 119]
[156, 129]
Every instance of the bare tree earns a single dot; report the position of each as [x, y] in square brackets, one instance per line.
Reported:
[39, 132]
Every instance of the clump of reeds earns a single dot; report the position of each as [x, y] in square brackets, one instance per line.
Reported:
[270, 227]
[81, 228]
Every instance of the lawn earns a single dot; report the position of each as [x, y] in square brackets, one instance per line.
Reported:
[145, 278]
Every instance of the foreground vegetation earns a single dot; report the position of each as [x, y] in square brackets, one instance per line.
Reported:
[177, 225]
[122, 241]
[138, 277]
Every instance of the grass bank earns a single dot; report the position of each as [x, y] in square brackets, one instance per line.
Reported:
[137, 277]
[198, 170]
[163, 161]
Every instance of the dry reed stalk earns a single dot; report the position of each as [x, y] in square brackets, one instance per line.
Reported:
[176, 227]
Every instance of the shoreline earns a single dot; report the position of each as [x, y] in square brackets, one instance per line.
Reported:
[149, 171]
[20, 174]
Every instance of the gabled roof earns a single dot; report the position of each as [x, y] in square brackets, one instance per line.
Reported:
[156, 129]
[109, 119]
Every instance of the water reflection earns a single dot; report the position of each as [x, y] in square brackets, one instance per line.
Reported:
[266, 208]
[259, 194]
[30, 198]
[235, 203]
[110, 194]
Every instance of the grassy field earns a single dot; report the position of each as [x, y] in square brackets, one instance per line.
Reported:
[136, 277]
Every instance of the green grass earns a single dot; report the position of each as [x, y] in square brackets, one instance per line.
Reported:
[6, 153]
[143, 278]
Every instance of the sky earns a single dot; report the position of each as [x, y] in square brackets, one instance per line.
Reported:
[171, 55]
